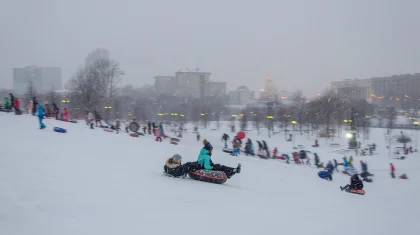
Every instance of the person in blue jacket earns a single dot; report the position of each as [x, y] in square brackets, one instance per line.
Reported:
[327, 174]
[205, 162]
[345, 162]
[41, 114]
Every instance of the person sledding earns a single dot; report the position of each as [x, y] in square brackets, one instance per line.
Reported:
[365, 173]
[225, 139]
[317, 161]
[204, 161]
[327, 174]
[356, 184]
[173, 166]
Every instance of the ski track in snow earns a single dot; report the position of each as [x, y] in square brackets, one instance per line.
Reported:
[94, 182]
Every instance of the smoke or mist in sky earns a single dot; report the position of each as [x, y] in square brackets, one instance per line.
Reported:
[301, 44]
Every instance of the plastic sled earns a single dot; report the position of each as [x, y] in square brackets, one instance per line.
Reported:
[134, 135]
[174, 141]
[209, 176]
[281, 157]
[108, 130]
[228, 150]
[356, 191]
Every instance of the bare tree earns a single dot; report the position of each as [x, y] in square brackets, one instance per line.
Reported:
[52, 97]
[391, 116]
[244, 120]
[95, 87]
[256, 119]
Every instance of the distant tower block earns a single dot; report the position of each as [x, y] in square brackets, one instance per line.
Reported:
[270, 89]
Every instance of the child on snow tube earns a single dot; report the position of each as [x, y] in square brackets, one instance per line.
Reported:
[205, 162]
[327, 174]
[173, 166]
[355, 184]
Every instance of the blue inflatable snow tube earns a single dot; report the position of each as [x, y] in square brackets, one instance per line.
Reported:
[60, 130]
[324, 174]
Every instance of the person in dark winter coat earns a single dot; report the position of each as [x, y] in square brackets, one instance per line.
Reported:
[98, 118]
[355, 184]
[34, 105]
[225, 139]
[174, 167]
[149, 128]
[205, 162]
[56, 111]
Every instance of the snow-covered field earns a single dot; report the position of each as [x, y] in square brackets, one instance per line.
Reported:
[95, 182]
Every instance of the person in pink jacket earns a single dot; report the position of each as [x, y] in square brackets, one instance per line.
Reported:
[158, 134]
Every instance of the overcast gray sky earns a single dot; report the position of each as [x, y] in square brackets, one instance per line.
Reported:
[302, 44]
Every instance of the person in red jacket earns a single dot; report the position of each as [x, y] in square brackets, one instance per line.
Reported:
[392, 170]
[17, 106]
[66, 115]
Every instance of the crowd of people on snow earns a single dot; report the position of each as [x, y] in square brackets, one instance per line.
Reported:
[42, 111]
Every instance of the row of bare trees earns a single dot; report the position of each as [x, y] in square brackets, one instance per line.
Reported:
[95, 87]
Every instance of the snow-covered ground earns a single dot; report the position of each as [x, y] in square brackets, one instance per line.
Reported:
[95, 182]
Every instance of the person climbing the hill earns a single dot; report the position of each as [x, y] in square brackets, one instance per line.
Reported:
[12, 101]
[365, 173]
[7, 105]
[56, 110]
[17, 107]
[66, 115]
[149, 127]
[204, 161]
[265, 147]
[91, 119]
[355, 184]
[41, 115]
[98, 118]
[260, 147]
[317, 161]
[158, 134]
[144, 127]
[336, 164]
[34, 105]
[392, 170]
[48, 112]
[225, 139]
[345, 162]
[275, 151]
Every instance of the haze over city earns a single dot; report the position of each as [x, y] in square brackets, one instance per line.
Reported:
[302, 44]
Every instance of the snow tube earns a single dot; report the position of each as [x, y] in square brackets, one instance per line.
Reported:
[216, 177]
[241, 135]
[228, 150]
[60, 130]
[134, 127]
[323, 174]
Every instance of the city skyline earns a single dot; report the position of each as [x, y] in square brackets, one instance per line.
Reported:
[302, 44]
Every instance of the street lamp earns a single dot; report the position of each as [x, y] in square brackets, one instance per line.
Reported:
[293, 136]
[416, 124]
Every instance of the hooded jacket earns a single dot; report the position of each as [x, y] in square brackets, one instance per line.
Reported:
[204, 159]
[6, 101]
[356, 183]
[41, 111]
[173, 168]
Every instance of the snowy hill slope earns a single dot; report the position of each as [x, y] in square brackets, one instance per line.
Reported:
[94, 182]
